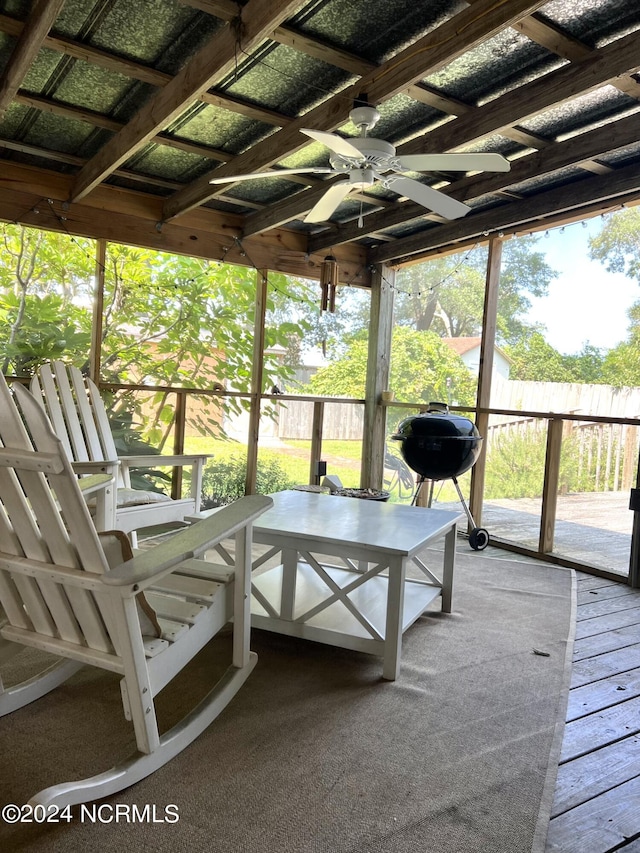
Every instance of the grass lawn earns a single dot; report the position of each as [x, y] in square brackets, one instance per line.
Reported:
[342, 457]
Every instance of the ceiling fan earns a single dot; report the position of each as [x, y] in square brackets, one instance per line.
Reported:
[366, 160]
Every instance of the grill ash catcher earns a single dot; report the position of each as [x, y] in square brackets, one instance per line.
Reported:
[438, 445]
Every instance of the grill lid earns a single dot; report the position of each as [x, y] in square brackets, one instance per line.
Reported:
[436, 422]
[438, 445]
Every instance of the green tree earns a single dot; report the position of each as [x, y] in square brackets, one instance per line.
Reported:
[621, 366]
[446, 295]
[423, 367]
[45, 287]
[617, 247]
[167, 319]
[587, 365]
[532, 358]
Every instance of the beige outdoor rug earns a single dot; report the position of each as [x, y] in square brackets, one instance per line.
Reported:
[317, 753]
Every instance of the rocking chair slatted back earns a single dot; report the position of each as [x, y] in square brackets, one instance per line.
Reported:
[50, 523]
[77, 413]
[74, 422]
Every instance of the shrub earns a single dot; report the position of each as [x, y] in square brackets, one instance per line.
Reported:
[515, 466]
[224, 481]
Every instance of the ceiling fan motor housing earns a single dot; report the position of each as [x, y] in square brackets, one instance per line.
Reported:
[374, 152]
[364, 117]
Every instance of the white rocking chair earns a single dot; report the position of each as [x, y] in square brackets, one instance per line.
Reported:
[79, 419]
[143, 618]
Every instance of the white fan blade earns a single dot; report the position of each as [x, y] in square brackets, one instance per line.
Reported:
[329, 202]
[275, 173]
[334, 142]
[428, 197]
[454, 163]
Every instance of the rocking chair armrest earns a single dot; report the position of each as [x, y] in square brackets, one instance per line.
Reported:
[94, 483]
[98, 466]
[192, 542]
[151, 461]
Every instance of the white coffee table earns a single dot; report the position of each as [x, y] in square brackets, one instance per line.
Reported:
[342, 577]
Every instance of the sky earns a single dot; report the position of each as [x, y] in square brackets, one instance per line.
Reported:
[585, 304]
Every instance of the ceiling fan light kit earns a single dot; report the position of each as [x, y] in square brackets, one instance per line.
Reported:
[365, 160]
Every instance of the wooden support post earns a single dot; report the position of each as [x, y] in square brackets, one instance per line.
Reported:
[179, 433]
[378, 369]
[316, 443]
[487, 349]
[634, 558]
[95, 353]
[256, 382]
[550, 486]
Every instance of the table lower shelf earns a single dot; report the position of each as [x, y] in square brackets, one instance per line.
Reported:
[336, 625]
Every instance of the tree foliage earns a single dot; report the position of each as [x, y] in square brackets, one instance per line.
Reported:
[45, 286]
[446, 295]
[167, 319]
[617, 247]
[423, 367]
[535, 360]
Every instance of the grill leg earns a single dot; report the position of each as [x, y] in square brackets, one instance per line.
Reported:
[421, 483]
[464, 503]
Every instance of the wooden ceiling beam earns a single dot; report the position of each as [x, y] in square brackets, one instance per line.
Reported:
[29, 41]
[48, 105]
[210, 64]
[553, 39]
[126, 174]
[226, 10]
[37, 198]
[457, 35]
[99, 120]
[563, 44]
[597, 190]
[357, 65]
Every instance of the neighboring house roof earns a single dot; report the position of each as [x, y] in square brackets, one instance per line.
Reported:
[464, 345]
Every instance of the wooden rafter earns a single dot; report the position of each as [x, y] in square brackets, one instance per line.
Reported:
[533, 27]
[621, 186]
[26, 48]
[253, 27]
[563, 84]
[36, 197]
[461, 33]
[138, 71]
[211, 63]
[560, 85]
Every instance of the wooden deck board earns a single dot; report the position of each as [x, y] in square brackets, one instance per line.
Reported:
[599, 644]
[608, 622]
[603, 694]
[604, 665]
[596, 804]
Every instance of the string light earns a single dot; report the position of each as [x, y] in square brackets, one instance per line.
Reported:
[237, 243]
[446, 278]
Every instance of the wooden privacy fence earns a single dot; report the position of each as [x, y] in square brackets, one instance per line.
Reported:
[341, 421]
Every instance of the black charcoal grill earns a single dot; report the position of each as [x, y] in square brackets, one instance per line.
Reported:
[439, 445]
